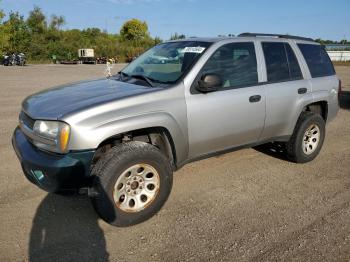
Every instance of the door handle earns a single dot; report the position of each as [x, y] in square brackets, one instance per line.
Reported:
[254, 99]
[302, 90]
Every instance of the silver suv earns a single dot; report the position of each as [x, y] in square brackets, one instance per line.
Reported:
[121, 138]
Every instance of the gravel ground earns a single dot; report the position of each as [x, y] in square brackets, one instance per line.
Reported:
[251, 204]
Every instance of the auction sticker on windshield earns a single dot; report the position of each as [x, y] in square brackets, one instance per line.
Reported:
[197, 49]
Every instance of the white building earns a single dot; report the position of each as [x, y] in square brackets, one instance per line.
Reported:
[339, 55]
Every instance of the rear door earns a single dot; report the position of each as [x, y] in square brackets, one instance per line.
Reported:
[234, 115]
[286, 87]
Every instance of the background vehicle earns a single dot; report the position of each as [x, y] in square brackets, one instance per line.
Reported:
[69, 62]
[157, 60]
[21, 59]
[123, 137]
[6, 60]
[14, 59]
[9, 60]
[101, 60]
[86, 56]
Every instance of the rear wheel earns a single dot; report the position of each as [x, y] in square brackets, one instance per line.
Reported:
[307, 139]
[132, 182]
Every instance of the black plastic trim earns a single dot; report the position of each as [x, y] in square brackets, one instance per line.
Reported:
[276, 35]
[232, 149]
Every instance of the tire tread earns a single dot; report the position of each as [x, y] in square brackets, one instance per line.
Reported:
[102, 178]
[293, 149]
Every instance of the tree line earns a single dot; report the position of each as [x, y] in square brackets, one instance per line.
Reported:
[40, 37]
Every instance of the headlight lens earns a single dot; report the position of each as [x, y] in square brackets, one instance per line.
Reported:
[55, 133]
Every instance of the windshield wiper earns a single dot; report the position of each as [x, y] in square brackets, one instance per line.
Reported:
[145, 78]
[121, 73]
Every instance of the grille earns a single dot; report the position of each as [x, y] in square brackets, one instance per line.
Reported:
[27, 120]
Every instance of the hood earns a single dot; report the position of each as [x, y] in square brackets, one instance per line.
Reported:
[57, 102]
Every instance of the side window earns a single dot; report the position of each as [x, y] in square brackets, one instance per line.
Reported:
[317, 60]
[281, 62]
[276, 62]
[235, 63]
[295, 71]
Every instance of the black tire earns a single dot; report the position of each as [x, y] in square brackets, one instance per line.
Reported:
[112, 165]
[294, 146]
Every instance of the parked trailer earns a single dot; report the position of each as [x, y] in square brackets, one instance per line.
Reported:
[87, 56]
[339, 55]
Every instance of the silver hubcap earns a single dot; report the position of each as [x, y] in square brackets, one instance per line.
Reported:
[136, 188]
[311, 139]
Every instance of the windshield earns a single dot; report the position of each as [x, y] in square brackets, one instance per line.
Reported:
[165, 63]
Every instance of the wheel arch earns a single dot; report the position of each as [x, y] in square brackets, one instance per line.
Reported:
[92, 133]
[158, 136]
[318, 107]
[308, 103]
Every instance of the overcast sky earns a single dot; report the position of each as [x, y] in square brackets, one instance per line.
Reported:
[311, 18]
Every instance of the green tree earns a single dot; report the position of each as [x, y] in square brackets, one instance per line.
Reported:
[57, 22]
[2, 15]
[37, 21]
[157, 40]
[17, 34]
[41, 38]
[134, 30]
[325, 42]
[177, 36]
[3, 35]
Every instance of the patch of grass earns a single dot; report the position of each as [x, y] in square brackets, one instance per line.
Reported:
[38, 62]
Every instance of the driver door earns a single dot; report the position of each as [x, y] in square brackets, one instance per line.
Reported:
[234, 114]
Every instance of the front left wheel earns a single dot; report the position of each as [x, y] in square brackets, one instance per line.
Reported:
[132, 182]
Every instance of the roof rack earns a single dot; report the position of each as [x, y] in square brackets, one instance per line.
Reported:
[277, 35]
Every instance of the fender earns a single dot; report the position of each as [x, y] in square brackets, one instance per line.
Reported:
[298, 108]
[91, 137]
[317, 96]
[331, 97]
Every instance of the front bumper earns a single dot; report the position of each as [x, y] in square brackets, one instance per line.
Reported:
[49, 171]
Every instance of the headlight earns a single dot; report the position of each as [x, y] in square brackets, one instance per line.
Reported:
[53, 135]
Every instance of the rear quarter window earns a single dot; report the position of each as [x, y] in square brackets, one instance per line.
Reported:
[317, 60]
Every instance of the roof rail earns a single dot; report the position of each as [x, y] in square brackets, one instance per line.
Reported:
[277, 35]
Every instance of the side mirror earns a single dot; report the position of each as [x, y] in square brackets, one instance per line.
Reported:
[209, 83]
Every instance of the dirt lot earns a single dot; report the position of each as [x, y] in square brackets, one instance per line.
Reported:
[245, 205]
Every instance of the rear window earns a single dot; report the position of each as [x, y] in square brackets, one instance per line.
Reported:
[317, 60]
[281, 63]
